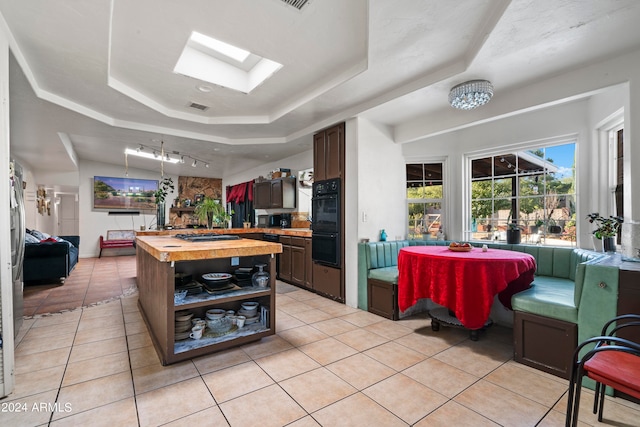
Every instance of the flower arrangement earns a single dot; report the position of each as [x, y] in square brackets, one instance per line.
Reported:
[607, 227]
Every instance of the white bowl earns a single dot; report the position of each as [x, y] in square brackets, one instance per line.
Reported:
[216, 313]
[249, 305]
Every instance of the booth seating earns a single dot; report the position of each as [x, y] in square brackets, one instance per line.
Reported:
[117, 239]
[574, 292]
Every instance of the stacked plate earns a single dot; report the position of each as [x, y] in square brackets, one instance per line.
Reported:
[183, 325]
[242, 276]
[192, 287]
[250, 311]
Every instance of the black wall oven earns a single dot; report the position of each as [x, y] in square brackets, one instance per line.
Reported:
[325, 212]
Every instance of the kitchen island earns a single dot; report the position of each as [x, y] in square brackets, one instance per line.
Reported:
[162, 258]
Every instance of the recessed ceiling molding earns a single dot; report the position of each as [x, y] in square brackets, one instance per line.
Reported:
[68, 146]
[132, 93]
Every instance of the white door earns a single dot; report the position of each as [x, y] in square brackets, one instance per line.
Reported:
[68, 224]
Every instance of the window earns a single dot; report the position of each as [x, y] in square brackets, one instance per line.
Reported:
[424, 199]
[534, 188]
[616, 137]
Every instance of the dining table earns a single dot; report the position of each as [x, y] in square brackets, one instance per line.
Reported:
[466, 283]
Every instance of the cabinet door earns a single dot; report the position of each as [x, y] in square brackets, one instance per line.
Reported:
[276, 193]
[285, 263]
[333, 157]
[319, 173]
[327, 281]
[308, 262]
[297, 265]
[262, 195]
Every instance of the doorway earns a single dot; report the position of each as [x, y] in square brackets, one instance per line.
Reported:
[67, 211]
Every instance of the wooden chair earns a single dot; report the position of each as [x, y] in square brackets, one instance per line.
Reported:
[613, 362]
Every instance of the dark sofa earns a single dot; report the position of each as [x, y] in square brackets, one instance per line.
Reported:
[50, 260]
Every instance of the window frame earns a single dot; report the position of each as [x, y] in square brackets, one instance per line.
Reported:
[467, 219]
[444, 216]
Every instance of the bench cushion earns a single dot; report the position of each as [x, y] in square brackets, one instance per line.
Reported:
[550, 297]
[385, 274]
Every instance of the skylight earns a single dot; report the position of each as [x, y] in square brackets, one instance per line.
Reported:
[214, 61]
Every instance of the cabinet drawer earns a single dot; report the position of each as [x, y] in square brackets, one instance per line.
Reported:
[297, 241]
[285, 240]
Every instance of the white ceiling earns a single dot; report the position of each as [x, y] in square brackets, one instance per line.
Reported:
[91, 78]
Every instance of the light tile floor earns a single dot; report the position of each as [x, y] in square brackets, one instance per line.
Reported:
[328, 365]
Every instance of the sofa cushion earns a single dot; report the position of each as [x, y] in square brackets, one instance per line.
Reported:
[550, 297]
[385, 274]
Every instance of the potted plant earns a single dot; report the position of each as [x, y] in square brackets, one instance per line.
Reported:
[514, 233]
[208, 211]
[165, 185]
[247, 223]
[607, 229]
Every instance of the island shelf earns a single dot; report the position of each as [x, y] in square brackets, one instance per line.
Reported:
[158, 260]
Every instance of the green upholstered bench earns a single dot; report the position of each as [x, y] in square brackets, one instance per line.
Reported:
[378, 275]
[570, 298]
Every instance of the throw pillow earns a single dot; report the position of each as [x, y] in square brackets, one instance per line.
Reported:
[28, 238]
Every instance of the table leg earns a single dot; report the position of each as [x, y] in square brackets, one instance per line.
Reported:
[444, 316]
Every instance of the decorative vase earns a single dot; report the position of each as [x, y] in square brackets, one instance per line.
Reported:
[160, 216]
[609, 244]
[383, 236]
[261, 277]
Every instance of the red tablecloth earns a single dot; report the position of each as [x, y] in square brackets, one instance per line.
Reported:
[464, 282]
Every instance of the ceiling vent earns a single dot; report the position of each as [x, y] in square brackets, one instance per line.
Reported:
[198, 106]
[298, 4]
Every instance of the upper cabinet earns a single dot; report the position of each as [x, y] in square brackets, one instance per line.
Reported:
[279, 193]
[328, 153]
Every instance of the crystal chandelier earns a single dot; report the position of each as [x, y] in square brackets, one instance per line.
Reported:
[471, 94]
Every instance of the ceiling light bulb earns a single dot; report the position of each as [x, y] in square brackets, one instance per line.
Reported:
[167, 157]
[140, 149]
[206, 165]
[181, 159]
[194, 163]
[155, 154]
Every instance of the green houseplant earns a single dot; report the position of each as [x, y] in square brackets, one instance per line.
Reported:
[209, 211]
[165, 185]
[607, 229]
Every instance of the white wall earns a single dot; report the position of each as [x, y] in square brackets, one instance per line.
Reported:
[96, 223]
[381, 183]
[375, 193]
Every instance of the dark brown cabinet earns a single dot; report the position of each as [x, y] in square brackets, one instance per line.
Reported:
[328, 153]
[629, 298]
[294, 261]
[327, 281]
[308, 265]
[277, 193]
[284, 265]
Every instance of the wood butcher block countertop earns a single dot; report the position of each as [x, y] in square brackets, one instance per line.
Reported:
[167, 248]
[296, 232]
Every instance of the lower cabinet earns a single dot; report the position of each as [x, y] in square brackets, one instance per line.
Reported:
[327, 281]
[295, 260]
[544, 343]
[382, 299]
